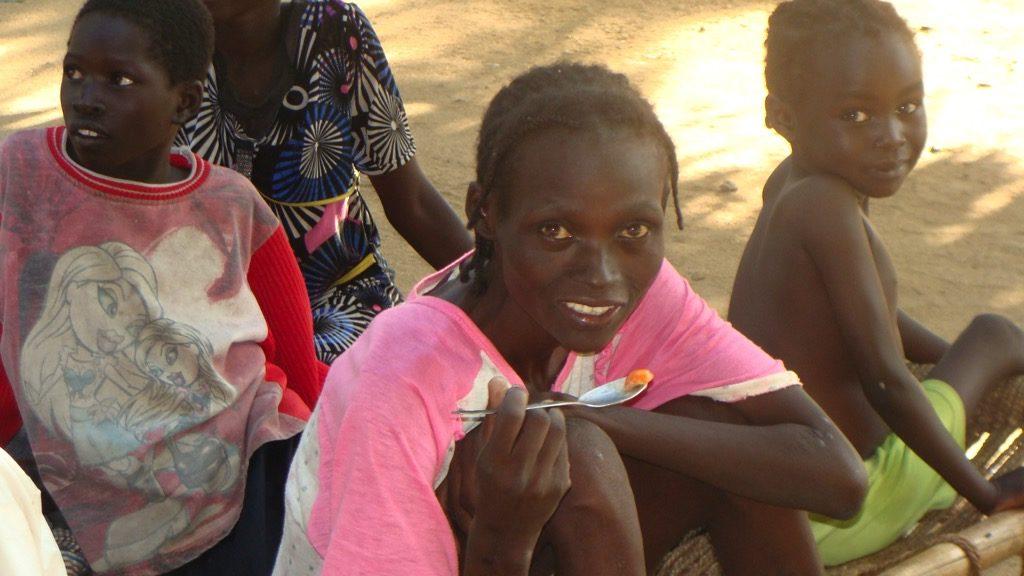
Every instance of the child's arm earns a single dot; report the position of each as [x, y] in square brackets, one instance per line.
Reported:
[920, 344]
[10, 418]
[781, 449]
[277, 284]
[421, 215]
[837, 242]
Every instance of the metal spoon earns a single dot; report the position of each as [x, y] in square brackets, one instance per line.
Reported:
[607, 394]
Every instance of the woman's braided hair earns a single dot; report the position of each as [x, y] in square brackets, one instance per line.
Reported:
[799, 29]
[567, 96]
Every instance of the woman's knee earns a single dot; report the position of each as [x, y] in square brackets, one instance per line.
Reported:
[595, 529]
[600, 484]
[593, 458]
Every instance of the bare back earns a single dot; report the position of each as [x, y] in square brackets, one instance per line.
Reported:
[781, 301]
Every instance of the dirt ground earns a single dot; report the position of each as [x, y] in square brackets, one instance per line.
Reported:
[955, 230]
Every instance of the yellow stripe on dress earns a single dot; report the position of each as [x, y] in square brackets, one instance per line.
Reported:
[314, 203]
[355, 271]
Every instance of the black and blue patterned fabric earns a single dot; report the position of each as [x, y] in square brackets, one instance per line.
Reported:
[341, 114]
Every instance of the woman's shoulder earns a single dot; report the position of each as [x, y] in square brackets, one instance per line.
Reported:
[668, 309]
[417, 337]
[411, 348]
[419, 320]
[667, 292]
[327, 15]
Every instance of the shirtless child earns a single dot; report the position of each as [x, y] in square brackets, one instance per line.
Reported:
[816, 287]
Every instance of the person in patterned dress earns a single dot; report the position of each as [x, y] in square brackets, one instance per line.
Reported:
[299, 98]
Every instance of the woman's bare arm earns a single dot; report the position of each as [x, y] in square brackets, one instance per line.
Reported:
[780, 449]
[421, 215]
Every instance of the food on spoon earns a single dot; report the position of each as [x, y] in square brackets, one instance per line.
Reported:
[638, 378]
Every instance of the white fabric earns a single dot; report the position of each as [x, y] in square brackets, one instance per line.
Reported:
[27, 547]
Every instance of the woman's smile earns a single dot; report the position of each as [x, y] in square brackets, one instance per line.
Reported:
[591, 316]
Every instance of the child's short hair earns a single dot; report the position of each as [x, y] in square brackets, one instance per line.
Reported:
[180, 32]
[798, 28]
[566, 95]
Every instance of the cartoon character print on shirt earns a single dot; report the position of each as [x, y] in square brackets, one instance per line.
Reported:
[76, 364]
[105, 370]
[177, 357]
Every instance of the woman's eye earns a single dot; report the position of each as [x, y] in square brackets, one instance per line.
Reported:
[554, 232]
[856, 116]
[122, 80]
[635, 231]
[72, 73]
[908, 108]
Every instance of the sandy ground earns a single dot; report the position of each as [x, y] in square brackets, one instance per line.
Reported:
[956, 229]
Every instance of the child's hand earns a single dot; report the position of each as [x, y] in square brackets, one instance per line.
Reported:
[522, 468]
[1010, 487]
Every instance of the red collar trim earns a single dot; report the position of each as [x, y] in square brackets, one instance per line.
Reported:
[56, 137]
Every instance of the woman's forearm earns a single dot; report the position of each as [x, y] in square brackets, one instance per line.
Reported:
[418, 212]
[790, 465]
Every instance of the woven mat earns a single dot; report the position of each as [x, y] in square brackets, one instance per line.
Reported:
[995, 432]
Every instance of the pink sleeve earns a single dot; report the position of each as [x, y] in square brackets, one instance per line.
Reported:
[690, 349]
[387, 437]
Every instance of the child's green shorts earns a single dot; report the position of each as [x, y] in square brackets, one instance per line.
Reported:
[901, 489]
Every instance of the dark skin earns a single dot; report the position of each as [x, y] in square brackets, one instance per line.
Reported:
[120, 107]
[820, 293]
[522, 467]
[564, 277]
[249, 34]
